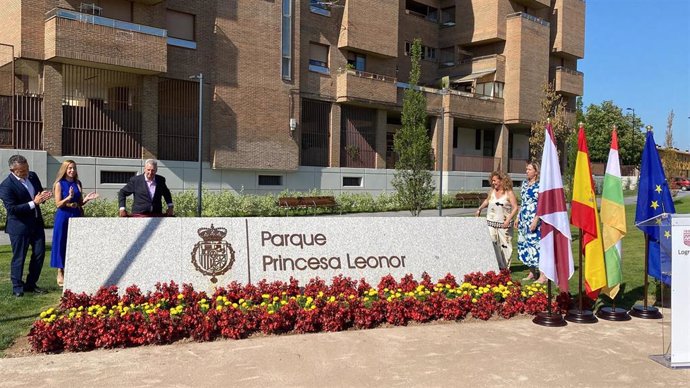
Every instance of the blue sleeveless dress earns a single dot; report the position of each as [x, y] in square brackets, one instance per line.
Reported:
[62, 216]
[528, 241]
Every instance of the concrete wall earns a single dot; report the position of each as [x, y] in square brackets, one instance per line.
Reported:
[183, 176]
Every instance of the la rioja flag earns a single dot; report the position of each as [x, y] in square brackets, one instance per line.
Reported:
[555, 255]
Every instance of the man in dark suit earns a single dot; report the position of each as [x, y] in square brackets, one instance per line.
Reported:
[149, 189]
[22, 193]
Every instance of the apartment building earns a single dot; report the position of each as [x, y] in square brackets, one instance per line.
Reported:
[296, 94]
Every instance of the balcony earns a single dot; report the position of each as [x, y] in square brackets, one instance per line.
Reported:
[487, 17]
[475, 106]
[485, 63]
[89, 40]
[363, 20]
[569, 81]
[569, 37]
[355, 85]
[475, 163]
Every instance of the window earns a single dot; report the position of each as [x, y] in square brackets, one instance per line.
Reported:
[352, 181]
[286, 41]
[489, 137]
[357, 61]
[448, 17]
[116, 9]
[428, 53]
[270, 180]
[447, 56]
[318, 7]
[491, 89]
[180, 27]
[422, 10]
[318, 58]
[119, 177]
[477, 139]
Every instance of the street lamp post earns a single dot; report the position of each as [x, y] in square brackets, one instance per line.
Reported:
[444, 91]
[440, 164]
[633, 118]
[200, 77]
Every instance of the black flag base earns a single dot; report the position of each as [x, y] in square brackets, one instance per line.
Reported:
[549, 319]
[648, 312]
[613, 314]
[580, 316]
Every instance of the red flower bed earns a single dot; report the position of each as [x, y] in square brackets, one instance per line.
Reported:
[170, 313]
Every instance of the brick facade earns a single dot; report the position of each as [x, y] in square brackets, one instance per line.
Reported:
[508, 48]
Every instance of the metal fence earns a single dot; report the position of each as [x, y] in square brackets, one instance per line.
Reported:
[101, 113]
[314, 131]
[358, 137]
[178, 115]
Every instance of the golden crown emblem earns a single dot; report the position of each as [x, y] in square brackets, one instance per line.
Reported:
[212, 234]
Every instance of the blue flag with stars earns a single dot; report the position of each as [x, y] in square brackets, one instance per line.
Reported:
[654, 198]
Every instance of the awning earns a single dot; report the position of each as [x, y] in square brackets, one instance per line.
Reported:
[471, 77]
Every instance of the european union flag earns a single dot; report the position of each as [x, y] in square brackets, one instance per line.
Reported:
[653, 199]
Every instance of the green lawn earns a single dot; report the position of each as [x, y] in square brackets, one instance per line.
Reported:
[17, 314]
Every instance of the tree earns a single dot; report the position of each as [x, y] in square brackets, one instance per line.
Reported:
[599, 121]
[669, 156]
[669, 130]
[552, 108]
[412, 180]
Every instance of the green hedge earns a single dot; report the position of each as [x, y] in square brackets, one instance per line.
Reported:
[230, 204]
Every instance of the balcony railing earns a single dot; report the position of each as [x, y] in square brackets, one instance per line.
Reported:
[475, 163]
[91, 40]
[530, 18]
[106, 22]
[356, 84]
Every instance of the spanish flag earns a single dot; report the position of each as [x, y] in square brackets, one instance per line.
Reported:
[584, 215]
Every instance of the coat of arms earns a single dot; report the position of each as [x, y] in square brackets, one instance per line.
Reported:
[686, 237]
[213, 256]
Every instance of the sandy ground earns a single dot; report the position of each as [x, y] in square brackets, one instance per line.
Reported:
[495, 353]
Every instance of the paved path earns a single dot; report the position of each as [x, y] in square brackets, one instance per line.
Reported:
[497, 353]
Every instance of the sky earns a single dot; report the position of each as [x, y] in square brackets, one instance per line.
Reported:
[637, 54]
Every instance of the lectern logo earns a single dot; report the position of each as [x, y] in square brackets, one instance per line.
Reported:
[213, 256]
[686, 237]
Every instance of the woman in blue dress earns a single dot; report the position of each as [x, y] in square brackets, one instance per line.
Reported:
[69, 202]
[527, 223]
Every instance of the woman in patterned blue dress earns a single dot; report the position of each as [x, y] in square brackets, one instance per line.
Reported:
[527, 223]
[69, 202]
